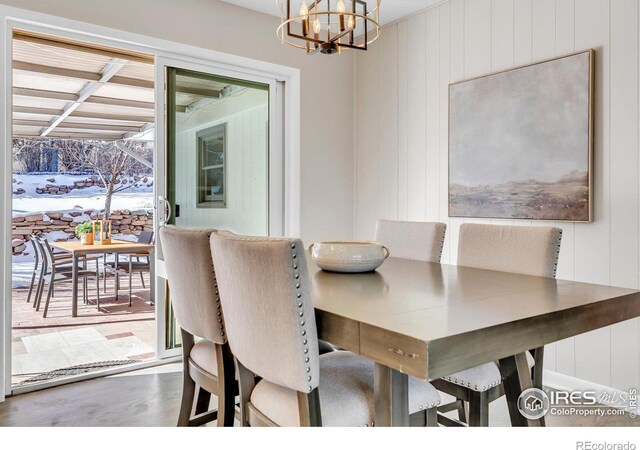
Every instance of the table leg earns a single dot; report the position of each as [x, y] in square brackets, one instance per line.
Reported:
[74, 286]
[516, 377]
[391, 390]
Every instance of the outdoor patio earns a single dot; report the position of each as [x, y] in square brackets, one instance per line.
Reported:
[114, 335]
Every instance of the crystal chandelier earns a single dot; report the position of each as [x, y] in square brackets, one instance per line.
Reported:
[317, 27]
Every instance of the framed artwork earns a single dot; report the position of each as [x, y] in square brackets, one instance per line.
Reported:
[521, 142]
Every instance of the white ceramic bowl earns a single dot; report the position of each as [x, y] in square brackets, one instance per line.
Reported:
[351, 257]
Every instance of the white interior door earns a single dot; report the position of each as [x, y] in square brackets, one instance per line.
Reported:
[220, 160]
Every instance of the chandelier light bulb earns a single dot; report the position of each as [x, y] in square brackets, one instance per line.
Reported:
[351, 22]
[340, 6]
[304, 10]
[316, 26]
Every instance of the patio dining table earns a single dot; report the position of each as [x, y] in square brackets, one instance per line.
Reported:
[430, 320]
[77, 249]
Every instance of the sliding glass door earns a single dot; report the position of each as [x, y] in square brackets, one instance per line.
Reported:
[219, 133]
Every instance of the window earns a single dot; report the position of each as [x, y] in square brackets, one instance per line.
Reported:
[211, 167]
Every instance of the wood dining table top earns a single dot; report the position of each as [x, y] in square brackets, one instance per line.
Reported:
[430, 320]
[116, 246]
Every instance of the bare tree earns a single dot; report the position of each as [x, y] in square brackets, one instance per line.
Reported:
[108, 161]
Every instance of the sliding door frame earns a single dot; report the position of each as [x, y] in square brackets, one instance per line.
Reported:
[15, 18]
[276, 223]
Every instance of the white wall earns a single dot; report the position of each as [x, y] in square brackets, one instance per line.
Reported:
[245, 212]
[326, 208]
[401, 140]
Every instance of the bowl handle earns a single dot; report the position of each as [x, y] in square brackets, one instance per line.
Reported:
[310, 249]
[384, 247]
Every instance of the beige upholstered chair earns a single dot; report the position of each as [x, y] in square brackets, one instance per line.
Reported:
[421, 241]
[269, 314]
[524, 250]
[208, 363]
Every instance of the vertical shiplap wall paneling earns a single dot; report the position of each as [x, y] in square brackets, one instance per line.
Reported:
[432, 114]
[456, 73]
[625, 372]
[388, 123]
[565, 44]
[461, 39]
[444, 57]
[367, 141]
[593, 240]
[543, 46]
[403, 121]
[416, 117]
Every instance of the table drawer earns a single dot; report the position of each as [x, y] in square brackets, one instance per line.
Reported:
[400, 352]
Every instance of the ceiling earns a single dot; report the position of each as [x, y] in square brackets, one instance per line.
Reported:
[390, 10]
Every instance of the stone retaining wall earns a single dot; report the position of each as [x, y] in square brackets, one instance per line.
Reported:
[63, 224]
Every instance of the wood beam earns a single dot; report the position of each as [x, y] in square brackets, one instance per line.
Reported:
[77, 125]
[204, 92]
[94, 99]
[79, 74]
[72, 136]
[106, 74]
[39, 93]
[90, 115]
[69, 44]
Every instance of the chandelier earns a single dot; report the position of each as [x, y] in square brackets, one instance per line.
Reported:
[317, 27]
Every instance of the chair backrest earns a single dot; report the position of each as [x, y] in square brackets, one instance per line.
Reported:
[421, 241]
[192, 282]
[36, 251]
[524, 250]
[47, 253]
[40, 253]
[265, 295]
[145, 237]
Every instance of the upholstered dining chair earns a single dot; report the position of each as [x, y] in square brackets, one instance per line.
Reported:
[207, 363]
[523, 250]
[269, 315]
[420, 241]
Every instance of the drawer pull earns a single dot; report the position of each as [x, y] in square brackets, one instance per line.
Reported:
[397, 351]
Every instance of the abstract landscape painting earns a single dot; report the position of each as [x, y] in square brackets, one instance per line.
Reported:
[520, 142]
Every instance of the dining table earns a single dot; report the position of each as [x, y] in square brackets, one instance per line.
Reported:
[118, 246]
[429, 320]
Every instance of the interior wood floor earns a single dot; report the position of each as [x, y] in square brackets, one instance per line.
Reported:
[151, 397]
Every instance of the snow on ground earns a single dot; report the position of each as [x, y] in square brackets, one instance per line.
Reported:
[137, 197]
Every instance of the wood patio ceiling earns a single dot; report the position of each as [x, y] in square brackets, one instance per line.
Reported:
[72, 90]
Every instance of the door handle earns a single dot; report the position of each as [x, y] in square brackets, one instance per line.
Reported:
[166, 210]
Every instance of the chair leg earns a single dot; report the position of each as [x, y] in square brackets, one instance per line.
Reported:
[104, 272]
[117, 284]
[188, 396]
[130, 283]
[49, 294]
[462, 416]
[33, 279]
[142, 280]
[432, 417]
[479, 409]
[39, 292]
[203, 401]
[97, 286]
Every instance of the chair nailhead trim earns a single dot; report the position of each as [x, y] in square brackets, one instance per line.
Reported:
[218, 306]
[296, 275]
